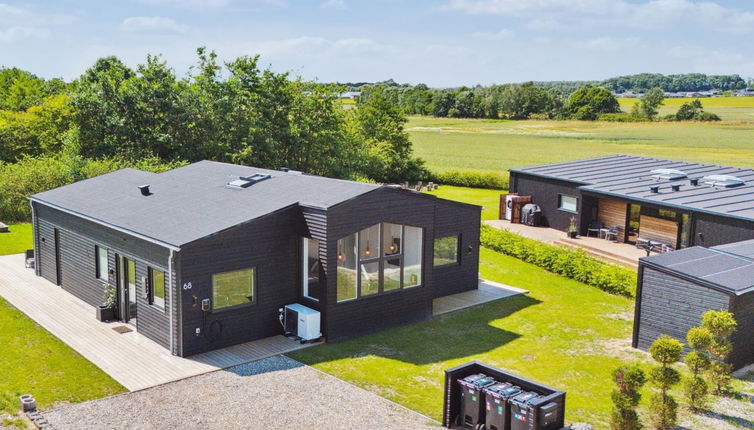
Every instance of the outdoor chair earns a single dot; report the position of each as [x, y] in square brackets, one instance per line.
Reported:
[613, 233]
[594, 227]
[29, 263]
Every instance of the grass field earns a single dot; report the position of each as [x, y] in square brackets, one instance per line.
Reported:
[727, 108]
[17, 240]
[498, 145]
[488, 199]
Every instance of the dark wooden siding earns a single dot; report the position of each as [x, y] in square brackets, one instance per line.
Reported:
[452, 219]
[544, 193]
[743, 346]
[671, 305]
[269, 244]
[45, 251]
[710, 230]
[78, 239]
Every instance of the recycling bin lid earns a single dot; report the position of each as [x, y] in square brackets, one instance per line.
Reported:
[524, 398]
[503, 389]
[479, 380]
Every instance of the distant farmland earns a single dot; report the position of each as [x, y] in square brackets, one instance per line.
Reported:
[727, 108]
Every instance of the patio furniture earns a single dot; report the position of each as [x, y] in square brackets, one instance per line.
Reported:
[603, 233]
[612, 234]
[29, 263]
[594, 227]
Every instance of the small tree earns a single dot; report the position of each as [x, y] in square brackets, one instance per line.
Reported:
[721, 326]
[663, 408]
[625, 396]
[695, 388]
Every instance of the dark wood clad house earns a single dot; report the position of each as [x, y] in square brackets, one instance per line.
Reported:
[676, 288]
[672, 202]
[205, 255]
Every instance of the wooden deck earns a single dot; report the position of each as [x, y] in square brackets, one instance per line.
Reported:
[130, 358]
[487, 292]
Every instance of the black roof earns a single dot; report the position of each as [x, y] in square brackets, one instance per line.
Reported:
[630, 177]
[192, 202]
[729, 268]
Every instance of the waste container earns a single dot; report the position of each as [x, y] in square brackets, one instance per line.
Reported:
[497, 414]
[522, 412]
[472, 399]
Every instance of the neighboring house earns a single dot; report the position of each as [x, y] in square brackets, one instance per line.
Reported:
[676, 288]
[673, 202]
[350, 95]
[204, 256]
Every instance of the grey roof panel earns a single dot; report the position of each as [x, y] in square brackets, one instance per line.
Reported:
[192, 202]
[630, 177]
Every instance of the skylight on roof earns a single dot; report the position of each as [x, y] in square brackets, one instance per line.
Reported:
[726, 181]
[670, 174]
[246, 181]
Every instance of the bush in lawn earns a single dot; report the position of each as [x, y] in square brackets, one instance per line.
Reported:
[663, 409]
[626, 396]
[695, 388]
[721, 326]
[471, 179]
[571, 263]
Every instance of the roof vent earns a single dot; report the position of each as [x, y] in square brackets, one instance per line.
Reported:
[675, 187]
[669, 174]
[246, 181]
[145, 190]
[726, 181]
[654, 189]
[284, 169]
[694, 182]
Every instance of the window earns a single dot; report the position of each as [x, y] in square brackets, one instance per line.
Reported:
[156, 287]
[234, 288]
[381, 258]
[311, 266]
[568, 203]
[101, 263]
[446, 251]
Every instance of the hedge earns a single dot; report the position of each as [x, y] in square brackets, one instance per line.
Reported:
[471, 179]
[571, 263]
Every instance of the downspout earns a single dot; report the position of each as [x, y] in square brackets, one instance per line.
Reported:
[173, 289]
[35, 234]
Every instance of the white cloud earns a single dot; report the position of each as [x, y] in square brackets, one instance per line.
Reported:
[21, 23]
[15, 34]
[608, 43]
[152, 24]
[188, 4]
[319, 46]
[493, 35]
[333, 4]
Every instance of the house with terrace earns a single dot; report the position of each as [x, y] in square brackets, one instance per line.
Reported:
[206, 255]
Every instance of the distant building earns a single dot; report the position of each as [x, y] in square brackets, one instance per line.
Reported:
[350, 95]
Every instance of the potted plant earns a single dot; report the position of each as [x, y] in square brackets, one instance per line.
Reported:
[572, 230]
[106, 311]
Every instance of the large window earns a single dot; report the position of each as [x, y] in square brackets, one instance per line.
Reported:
[156, 287]
[378, 259]
[101, 262]
[568, 203]
[234, 288]
[446, 251]
[311, 267]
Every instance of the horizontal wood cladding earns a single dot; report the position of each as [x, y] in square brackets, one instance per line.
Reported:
[78, 239]
[45, 252]
[270, 245]
[659, 229]
[545, 193]
[464, 222]
[612, 213]
[711, 230]
[364, 315]
[672, 306]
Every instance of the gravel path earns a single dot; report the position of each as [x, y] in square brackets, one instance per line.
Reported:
[276, 393]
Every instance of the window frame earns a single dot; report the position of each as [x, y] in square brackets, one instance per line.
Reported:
[457, 261]
[98, 272]
[304, 260]
[251, 302]
[150, 286]
[560, 203]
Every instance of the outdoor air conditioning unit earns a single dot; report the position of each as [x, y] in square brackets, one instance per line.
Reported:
[302, 322]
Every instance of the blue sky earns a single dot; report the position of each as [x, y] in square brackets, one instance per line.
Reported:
[440, 43]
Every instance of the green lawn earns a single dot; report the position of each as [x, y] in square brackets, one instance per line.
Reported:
[564, 333]
[34, 361]
[498, 145]
[18, 240]
[727, 108]
[488, 199]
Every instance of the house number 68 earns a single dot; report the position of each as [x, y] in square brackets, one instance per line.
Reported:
[187, 286]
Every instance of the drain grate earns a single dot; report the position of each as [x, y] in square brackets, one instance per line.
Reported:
[122, 329]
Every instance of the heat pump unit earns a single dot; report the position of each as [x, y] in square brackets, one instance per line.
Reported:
[302, 322]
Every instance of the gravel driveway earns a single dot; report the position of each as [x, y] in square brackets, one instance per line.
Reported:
[276, 393]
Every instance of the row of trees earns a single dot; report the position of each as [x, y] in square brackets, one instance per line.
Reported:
[673, 83]
[234, 112]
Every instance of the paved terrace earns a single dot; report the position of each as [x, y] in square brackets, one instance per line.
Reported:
[137, 362]
[614, 252]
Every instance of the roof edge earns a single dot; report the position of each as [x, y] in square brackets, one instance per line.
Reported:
[717, 287]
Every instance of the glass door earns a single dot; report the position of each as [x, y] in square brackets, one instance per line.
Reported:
[126, 289]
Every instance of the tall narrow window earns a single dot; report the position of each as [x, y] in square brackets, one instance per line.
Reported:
[311, 267]
[101, 262]
[347, 268]
[412, 259]
[156, 287]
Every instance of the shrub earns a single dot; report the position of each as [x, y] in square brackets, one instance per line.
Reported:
[619, 117]
[571, 263]
[626, 397]
[721, 326]
[695, 388]
[471, 179]
[663, 409]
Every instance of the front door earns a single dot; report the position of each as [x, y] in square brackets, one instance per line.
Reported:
[126, 289]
